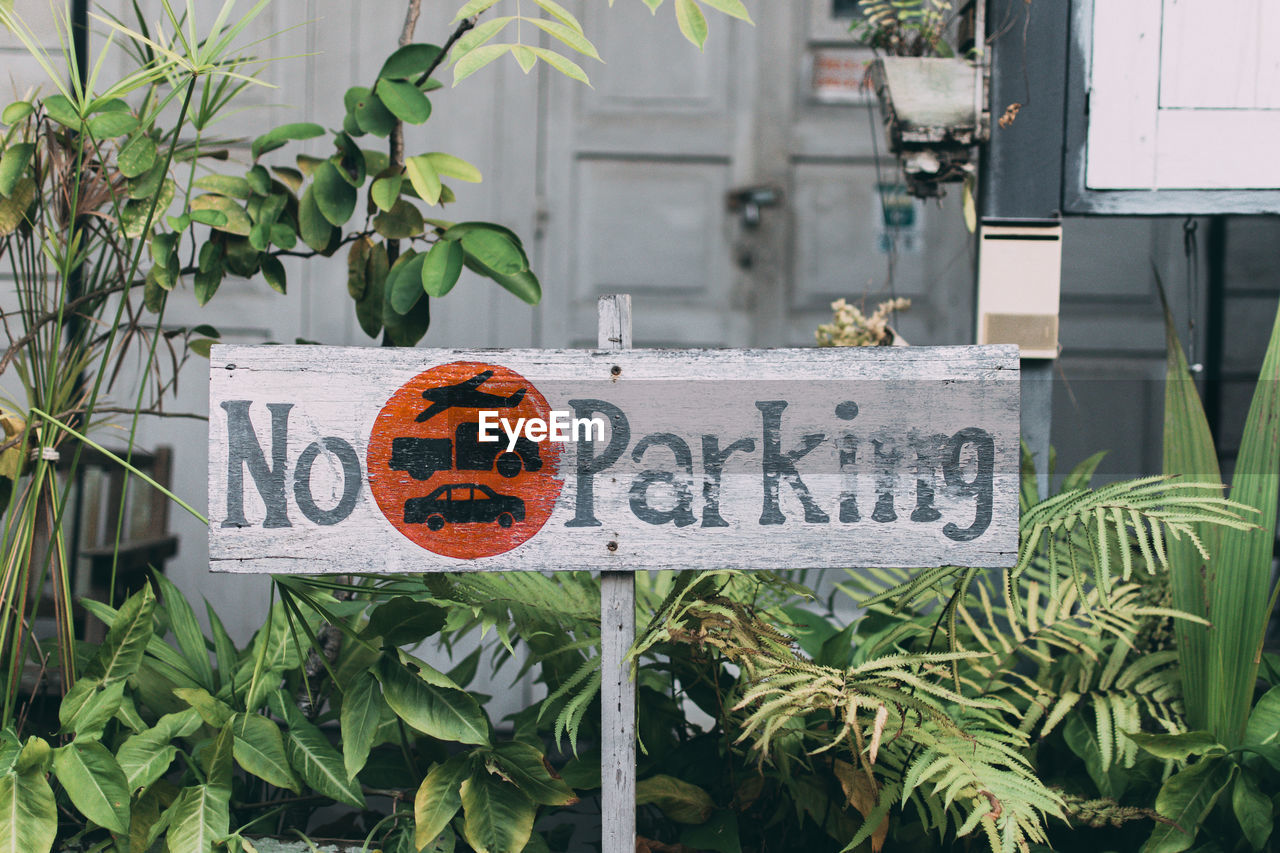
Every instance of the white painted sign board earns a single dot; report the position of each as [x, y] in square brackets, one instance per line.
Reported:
[337, 460]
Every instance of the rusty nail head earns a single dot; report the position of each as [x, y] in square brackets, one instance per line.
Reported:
[612, 546]
[616, 370]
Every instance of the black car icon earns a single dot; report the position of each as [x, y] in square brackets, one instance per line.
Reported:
[464, 503]
[476, 455]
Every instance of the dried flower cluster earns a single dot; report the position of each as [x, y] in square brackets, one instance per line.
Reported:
[851, 328]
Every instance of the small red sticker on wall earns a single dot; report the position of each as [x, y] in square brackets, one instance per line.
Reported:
[442, 487]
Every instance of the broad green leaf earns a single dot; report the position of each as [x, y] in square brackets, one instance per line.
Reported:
[213, 711]
[1252, 808]
[198, 819]
[291, 178]
[350, 160]
[112, 124]
[137, 157]
[401, 222]
[369, 307]
[144, 821]
[563, 64]
[1178, 747]
[410, 61]
[228, 185]
[34, 755]
[385, 191]
[62, 111]
[733, 8]
[1186, 799]
[527, 767]
[259, 180]
[357, 259]
[523, 285]
[438, 799]
[404, 284]
[277, 137]
[89, 705]
[206, 282]
[317, 762]
[237, 220]
[16, 112]
[444, 713]
[28, 814]
[95, 783]
[182, 621]
[404, 621]
[14, 208]
[498, 818]
[692, 22]
[406, 329]
[404, 100]
[273, 272]
[426, 181]
[454, 167]
[13, 164]
[472, 61]
[283, 235]
[374, 117]
[146, 756]
[1263, 728]
[361, 714]
[494, 251]
[259, 749]
[151, 183]
[212, 218]
[333, 194]
[314, 229]
[442, 267]
[679, 800]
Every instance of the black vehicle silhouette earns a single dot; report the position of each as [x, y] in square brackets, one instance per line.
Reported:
[464, 503]
[466, 395]
[422, 457]
[476, 455]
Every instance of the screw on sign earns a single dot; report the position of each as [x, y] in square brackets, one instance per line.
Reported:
[439, 484]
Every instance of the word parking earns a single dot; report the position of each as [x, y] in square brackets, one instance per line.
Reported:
[639, 459]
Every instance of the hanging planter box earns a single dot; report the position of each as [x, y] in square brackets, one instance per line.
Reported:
[934, 116]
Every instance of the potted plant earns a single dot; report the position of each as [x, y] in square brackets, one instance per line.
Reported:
[933, 101]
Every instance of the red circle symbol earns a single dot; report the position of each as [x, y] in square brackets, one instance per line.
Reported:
[444, 488]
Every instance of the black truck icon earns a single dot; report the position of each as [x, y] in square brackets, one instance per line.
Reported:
[464, 503]
[422, 457]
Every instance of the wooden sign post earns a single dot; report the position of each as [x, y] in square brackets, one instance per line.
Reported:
[340, 460]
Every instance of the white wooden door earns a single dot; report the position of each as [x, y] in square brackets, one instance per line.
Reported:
[1184, 94]
[638, 171]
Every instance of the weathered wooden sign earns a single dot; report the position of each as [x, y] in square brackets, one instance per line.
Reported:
[329, 459]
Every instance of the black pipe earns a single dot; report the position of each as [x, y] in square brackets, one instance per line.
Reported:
[1215, 326]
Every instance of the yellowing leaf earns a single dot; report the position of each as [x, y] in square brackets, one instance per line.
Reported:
[692, 22]
[454, 167]
[563, 64]
[425, 179]
[472, 61]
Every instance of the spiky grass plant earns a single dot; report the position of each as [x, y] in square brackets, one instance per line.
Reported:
[87, 172]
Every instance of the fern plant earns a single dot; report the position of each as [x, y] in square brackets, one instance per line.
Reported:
[960, 673]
